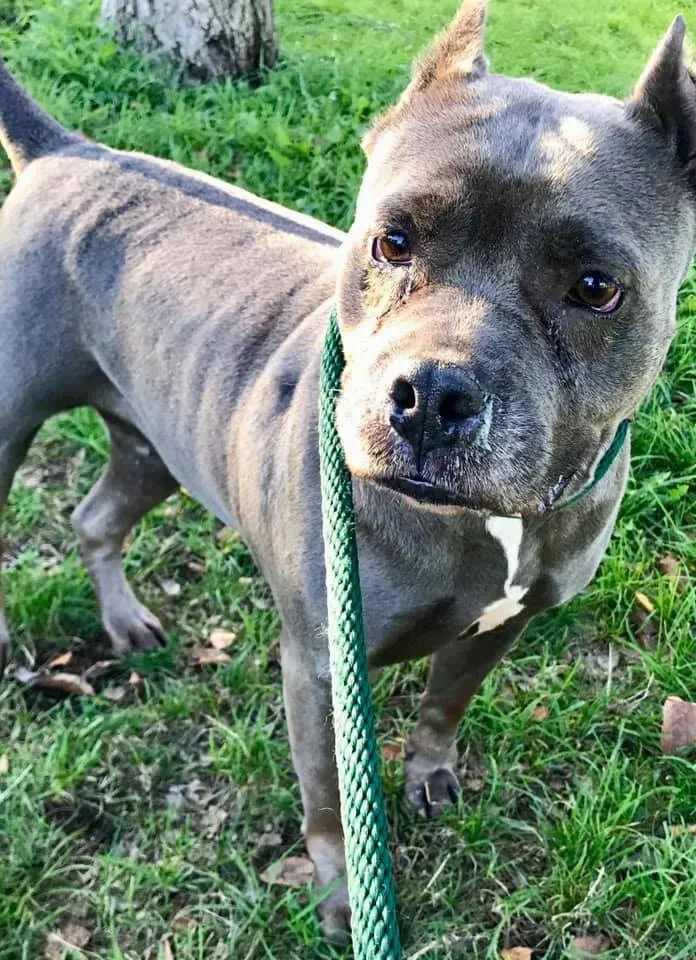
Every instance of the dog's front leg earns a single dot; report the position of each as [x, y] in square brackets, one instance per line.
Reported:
[456, 672]
[307, 694]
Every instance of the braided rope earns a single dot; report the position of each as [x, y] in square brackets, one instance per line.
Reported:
[368, 862]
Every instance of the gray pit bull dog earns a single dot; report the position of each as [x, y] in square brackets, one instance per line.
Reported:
[506, 297]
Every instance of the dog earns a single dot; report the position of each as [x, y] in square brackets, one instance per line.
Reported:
[506, 297]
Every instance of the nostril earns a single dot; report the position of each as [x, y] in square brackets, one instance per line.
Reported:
[456, 407]
[403, 394]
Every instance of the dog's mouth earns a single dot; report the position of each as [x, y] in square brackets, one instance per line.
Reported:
[423, 491]
[426, 492]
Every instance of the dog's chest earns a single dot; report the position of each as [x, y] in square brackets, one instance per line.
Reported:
[411, 610]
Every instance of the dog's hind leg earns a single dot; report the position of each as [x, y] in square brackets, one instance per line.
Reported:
[12, 453]
[134, 482]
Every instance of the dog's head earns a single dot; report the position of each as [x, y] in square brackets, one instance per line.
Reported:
[509, 285]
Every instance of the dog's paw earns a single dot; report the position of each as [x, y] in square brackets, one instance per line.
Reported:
[131, 627]
[431, 792]
[334, 916]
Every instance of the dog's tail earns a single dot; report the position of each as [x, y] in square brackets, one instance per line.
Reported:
[26, 131]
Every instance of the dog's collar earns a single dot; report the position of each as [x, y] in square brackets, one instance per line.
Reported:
[605, 464]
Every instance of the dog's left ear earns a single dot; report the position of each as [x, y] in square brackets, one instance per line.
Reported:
[665, 96]
[456, 54]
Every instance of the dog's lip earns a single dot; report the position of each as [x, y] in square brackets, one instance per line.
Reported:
[425, 492]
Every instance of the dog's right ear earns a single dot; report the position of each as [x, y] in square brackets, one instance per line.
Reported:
[456, 54]
[665, 96]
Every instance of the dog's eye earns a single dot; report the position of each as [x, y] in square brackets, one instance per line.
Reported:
[596, 291]
[393, 247]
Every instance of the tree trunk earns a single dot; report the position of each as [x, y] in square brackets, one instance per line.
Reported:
[210, 38]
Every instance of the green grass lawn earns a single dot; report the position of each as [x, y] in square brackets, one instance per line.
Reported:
[148, 820]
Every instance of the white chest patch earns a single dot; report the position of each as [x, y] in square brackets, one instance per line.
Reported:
[508, 532]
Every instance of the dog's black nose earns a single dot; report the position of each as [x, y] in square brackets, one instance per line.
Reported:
[436, 406]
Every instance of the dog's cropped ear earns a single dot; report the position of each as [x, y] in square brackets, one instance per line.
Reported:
[457, 53]
[665, 96]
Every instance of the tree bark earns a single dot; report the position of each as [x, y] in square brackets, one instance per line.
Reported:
[210, 38]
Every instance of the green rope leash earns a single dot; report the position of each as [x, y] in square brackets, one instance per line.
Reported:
[368, 862]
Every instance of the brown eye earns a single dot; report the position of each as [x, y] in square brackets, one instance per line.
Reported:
[596, 291]
[392, 248]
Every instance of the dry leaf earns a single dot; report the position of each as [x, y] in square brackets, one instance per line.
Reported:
[202, 656]
[212, 820]
[26, 677]
[115, 694]
[61, 661]
[182, 921]
[291, 872]
[540, 713]
[670, 567]
[99, 668]
[170, 587]
[589, 946]
[195, 567]
[678, 724]
[646, 631]
[222, 639]
[269, 839]
[683, 829]
[69, 935]
[392, 750]
[167, 953]
[516, 953]
[135, 679]
[645, 602]
[66, 683]
[4, 763]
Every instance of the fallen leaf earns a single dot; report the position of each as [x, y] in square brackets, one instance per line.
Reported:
[670, 567]
[589, 946]
[645, 602]
[195, 567]
[66, 683]
[290, 872]
[516, 953]
[678, 724]
[115, 694]
[61, 661]
[202, 656]
[99, 668]
[167, 953]
[392, 751]
[183, 921]
[24, 676]
[683, 829]
[134, 679]
[540, 713]
[598, 663]
[170, 587]
[69, 935]
[212, 820]
[222, 639]
[4, 763]
[646, 631]
[269, 839]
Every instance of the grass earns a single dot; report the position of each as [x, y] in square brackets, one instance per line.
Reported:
[148, 821]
